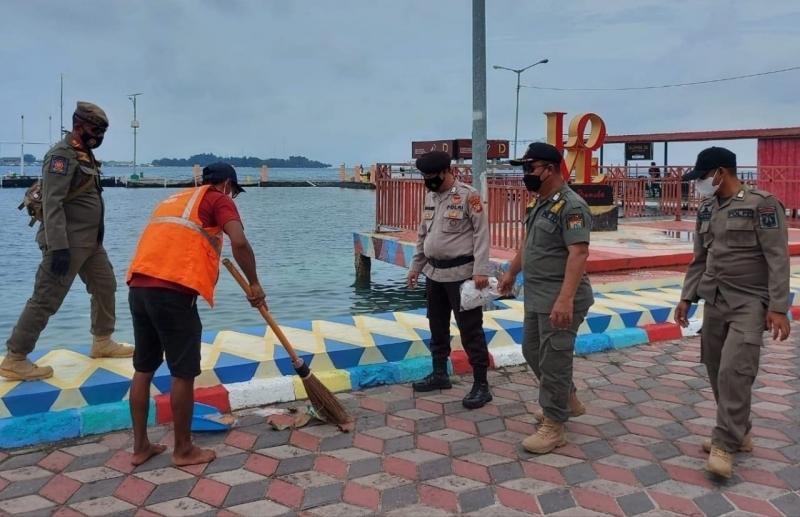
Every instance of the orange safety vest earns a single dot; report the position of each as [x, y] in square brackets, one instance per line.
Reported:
[175, 247]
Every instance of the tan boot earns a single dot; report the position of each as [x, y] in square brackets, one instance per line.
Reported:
[576, 408]
[17, 367]
[746, 445]
[551, 434]
[104, 346]
[720, 462]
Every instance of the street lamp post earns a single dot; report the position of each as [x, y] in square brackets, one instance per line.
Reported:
[135, 126]
[518, 71]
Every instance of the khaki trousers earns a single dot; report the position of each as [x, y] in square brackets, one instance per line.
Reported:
[731, 341]
[549, 353]
[94, 269]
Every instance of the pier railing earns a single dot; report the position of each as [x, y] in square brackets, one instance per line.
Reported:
[400, 193]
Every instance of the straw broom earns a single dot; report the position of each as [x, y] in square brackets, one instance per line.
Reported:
[326, 404]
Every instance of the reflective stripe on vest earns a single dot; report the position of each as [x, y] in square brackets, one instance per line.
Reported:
[175, 247]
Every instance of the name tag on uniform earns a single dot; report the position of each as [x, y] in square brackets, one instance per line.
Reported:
[550, 216]
[455, 214]
[744, 213]
[428, 214]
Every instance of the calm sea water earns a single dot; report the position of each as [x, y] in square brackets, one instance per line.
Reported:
[302, 238]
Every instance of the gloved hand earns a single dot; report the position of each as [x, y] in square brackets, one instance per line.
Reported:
[60, 264]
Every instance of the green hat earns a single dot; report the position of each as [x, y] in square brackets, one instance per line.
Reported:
[91, 113]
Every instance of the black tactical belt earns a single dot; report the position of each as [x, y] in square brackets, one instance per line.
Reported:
[444, 264]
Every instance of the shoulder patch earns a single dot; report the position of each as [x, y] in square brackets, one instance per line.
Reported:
[741, 213]
[58, 165]
[768, 217]
[575, 221]
[704, 212]
[475, 203]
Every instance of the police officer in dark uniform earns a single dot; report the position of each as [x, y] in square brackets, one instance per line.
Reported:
[71, 240]
[452, 247]
[741, 270]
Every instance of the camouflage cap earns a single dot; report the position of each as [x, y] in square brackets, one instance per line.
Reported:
[91, 113]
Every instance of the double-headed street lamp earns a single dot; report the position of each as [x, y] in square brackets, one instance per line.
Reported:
[518, 71]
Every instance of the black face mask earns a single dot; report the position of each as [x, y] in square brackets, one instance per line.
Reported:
[91, 141]
[434, 183]
[532, 183]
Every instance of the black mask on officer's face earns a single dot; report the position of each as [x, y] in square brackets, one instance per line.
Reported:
[533, 182]
[433, 184]
[92, 138]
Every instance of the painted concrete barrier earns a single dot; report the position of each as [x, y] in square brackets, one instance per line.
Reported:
[247, 367]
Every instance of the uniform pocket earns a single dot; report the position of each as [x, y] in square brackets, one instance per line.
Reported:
[562, 341]
[749, 353]
[544, 224]
[455, 225]
[740, 233]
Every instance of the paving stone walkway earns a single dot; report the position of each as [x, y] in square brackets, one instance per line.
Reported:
[636, 452]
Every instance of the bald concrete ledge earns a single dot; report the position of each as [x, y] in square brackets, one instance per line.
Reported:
[247, 367]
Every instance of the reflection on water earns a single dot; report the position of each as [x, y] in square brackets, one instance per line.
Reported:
[303, 242]
[682, 236]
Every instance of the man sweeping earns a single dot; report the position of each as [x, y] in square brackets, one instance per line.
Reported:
[176, 261]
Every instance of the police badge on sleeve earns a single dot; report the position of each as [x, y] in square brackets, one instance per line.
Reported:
[575, 221]
[58, 165]
[768, 217]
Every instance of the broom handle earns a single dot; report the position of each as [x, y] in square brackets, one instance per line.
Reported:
[264, 312]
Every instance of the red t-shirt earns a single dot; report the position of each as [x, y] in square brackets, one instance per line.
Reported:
[216, 209]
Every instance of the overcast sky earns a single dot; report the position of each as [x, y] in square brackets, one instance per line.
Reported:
[356, 81]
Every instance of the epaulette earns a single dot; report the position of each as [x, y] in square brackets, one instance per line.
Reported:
[761, 193]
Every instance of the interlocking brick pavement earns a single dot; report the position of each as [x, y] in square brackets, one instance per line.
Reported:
[635, 452]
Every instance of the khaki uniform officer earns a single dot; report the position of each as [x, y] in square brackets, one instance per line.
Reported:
[557, 291]
[452, 247]
[71, 240]
[741, 270]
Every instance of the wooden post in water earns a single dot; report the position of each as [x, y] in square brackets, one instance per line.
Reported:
[197, 174]
[363, 269]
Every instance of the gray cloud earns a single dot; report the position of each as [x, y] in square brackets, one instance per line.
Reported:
[356, 81]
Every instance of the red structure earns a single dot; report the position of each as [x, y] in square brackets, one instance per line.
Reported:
[778, 158]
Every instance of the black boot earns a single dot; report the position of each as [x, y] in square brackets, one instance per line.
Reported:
[436, 380]
[478, 396]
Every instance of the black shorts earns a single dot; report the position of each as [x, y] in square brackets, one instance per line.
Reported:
[165, 323]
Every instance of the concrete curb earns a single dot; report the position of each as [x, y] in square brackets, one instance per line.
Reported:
[51, 426]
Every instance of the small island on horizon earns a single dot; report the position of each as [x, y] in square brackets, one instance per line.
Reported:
[293, 162]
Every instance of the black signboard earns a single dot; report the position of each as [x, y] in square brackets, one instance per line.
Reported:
[638, 150]
[594, 194]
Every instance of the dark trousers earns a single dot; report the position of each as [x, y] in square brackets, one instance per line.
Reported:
[444, 298]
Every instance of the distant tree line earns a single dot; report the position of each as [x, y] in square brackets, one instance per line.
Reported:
[293, 162]
[14, 160]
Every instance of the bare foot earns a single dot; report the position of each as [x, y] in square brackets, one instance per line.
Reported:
[152, 450]
[195, 456]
